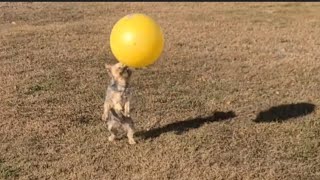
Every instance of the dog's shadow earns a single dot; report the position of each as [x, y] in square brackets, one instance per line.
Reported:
[184, 126]
[284, 112]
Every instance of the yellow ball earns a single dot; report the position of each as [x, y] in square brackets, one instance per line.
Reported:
[136, 40]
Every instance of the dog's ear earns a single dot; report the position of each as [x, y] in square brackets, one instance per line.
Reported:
[129, 72]
[132, 69]
[108, 67]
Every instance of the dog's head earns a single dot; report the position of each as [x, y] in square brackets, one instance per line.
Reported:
[119, 72]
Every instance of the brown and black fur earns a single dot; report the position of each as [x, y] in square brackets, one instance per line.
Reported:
[117, 104]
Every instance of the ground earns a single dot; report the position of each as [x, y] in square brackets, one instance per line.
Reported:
[233, 96]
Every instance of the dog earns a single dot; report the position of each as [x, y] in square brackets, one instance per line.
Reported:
[116, 108]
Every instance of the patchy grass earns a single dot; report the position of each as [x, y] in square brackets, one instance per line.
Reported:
[234, 95]
[8, 172]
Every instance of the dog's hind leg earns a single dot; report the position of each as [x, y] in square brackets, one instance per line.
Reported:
[129, 128]
[112, 131]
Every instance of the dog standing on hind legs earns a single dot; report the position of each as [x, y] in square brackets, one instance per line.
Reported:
[117, 105]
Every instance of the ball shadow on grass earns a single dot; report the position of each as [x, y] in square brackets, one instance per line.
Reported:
[284, 112]
[184, 126]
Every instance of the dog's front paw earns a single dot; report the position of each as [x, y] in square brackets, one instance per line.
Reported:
[118, 107]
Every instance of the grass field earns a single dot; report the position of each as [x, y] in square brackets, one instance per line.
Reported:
[233, 96]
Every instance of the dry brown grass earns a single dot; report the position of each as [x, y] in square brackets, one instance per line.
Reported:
[223, 64]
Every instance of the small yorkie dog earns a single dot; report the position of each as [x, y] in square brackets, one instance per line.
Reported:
[116, 105]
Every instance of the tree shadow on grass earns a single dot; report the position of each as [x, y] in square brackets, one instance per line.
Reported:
[284, 112]
[184, 126]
